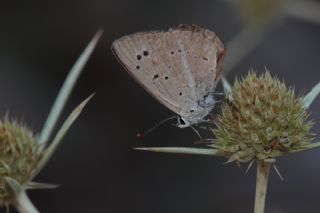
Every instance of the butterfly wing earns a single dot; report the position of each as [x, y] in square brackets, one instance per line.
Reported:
[200, 55]
[179, 67]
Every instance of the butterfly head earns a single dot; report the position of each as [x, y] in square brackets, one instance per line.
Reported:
[197, 113]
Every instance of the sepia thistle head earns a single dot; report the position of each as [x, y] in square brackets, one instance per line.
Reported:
[261, 119]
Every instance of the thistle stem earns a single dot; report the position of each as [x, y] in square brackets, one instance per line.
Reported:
[263, 169]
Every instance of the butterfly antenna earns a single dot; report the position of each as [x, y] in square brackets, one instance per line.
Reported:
[143, 134]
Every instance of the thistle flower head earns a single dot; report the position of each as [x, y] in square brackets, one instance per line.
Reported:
[261, 119]
[18, 156]
[22, 156]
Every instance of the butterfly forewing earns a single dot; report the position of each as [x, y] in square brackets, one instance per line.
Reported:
[143, 64]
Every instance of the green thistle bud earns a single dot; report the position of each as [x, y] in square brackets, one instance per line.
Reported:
[261, 119]
[23, 156]
[18, 156]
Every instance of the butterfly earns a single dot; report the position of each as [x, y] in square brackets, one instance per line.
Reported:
[179, 67]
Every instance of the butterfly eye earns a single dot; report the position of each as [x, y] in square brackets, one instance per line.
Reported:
[181, 121]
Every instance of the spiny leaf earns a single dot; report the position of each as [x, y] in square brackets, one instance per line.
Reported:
[226, 85]
[311, 96]
[249, 166]
[24, 204]
[278, 172]
[58, 138]
[180, 150]
[13, 186]
[66, 89]
[21, 201]
[310, 146]
[35, 185]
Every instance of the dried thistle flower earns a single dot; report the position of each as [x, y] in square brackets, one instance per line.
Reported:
[261, 119]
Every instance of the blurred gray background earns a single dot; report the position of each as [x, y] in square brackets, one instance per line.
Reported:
[96, 165]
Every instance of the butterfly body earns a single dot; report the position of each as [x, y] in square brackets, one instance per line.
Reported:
[179, 67]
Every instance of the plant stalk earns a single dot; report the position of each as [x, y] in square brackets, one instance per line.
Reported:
[263, 170]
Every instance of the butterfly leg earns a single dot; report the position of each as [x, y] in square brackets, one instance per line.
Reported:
[219, 93]
[197, 132]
